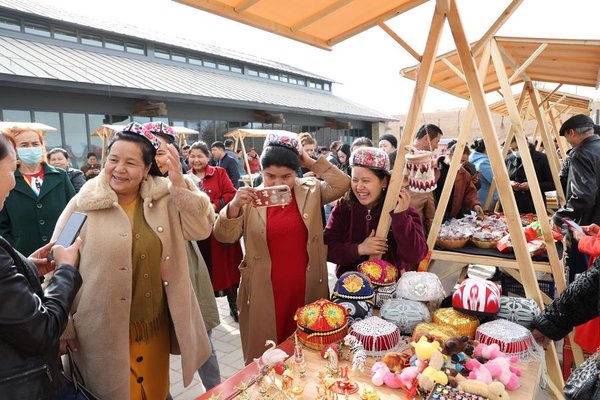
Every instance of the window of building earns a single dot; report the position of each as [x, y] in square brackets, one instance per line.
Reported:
[319, 86]
[114, 44]
[10, 24]
[223, 67]
[237, 69]
[327, 87]
[76, 137]
[311, 84]
[178, 57]
[293, 81]
[91, 40]
[16, 115]
[52, 139]
[221, 130]
[207, 131]
[37, 29]
[160, 53]
[140, 119]
[209, 64]
[64, 34]
[195, 61]
[252, 72]
[95, 121]
[283, 78]
[263, 74]
[135, 48]
[164, 120]
[300, 82]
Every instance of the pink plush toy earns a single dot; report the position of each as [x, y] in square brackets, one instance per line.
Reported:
[381, 375]
[479, 372]
[489, 352]
[408, 375]
[502, 371]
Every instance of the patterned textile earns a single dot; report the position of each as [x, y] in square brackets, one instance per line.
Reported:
[357, 310]
[136, 128]
[377, 335]
[355, 286]
[521, 311]
[379, 272]
[464, 324]
[160, 127]
[420, 286]
[321, 323]
[420, 171]
[513, 339]
[477, 296]
[370, 157]
[383, 293]
[584, 382]
[406, 314]
[284, 139]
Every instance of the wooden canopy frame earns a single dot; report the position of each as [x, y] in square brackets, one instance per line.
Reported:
[34, 126]
[325, 23]
[240, 134]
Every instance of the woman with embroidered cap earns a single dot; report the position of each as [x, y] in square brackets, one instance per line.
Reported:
[285, 265]
[350, 233]
[40, 194]
[166, 136]
[137, 304]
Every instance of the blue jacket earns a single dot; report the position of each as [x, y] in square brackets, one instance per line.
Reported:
[486, 176]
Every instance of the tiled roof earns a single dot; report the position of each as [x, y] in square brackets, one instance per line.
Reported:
[51, 65]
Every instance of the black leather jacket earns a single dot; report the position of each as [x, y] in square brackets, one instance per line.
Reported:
[31, 322]
[578, 304]
[583, 184]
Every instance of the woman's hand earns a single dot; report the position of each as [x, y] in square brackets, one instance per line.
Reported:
[244, 195]
[477, 208]
[305, 160]
[69, 255]
[64, 343]
[174, 166]
[373, 245]
[403, 201]
[592, 229]
[40, 259]
[541, 338]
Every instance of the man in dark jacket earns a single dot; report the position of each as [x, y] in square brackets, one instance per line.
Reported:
[225, 160]
[583, 183]
[518, 179]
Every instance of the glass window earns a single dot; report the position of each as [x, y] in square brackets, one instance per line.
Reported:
[283, 78]
[178, 57]
[327, 87]
[159, 53]
[140, 119]
[293, 81]
[221, 130]
[91, 40]
[263, 74]
[63, 34]
[319, 86]
[209, 64]
[135, 48]
[207, 131]
[37, 29]
[164, 120]
[114, 44]
[195, 125]
[52, 138]
[274, 77]
[195, 61]
[257, 125]
[10, 23]
[311, 84]
[223, 67]
[95, 121]
[300, 82]
[16, 115]
[252, 72]
[76, 135]
[236, 69]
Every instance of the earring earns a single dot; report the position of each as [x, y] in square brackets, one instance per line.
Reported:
[384, 189]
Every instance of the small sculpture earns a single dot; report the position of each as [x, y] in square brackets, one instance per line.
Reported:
[271, 356]
[332, 365]
[359, 355]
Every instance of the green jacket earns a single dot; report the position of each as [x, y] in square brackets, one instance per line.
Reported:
[202, 286]
[27, 221]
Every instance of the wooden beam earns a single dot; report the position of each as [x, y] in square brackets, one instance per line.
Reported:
[484, 260]
[303, 23]
[400, 41]
[512, 7]
[244, 5]
[528, 62]
[410, 127]
[532, 289]
[443, 6]
[551, 93]
[454, 69]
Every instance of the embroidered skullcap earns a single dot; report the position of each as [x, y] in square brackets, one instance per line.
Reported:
[135, 128]
[161, 128]
[289, 140]
[370, 157]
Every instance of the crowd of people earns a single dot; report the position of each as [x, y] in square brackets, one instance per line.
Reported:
[170, 229]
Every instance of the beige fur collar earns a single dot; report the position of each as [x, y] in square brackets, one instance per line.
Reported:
[97, 194]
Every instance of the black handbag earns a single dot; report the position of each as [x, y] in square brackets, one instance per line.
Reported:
[584, 383]
[76, 389]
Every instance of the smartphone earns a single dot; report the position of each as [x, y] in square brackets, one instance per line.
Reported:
[70, 231]
[273, 196]
[574, 226]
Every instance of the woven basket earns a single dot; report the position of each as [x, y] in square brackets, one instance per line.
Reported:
[452, 243]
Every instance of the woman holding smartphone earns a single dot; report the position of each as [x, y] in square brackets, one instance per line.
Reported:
[285, 264]
[350, 233]
[137, 304]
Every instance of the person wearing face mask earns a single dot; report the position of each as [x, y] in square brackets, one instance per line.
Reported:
[40, 194]
[285, 265]
[518, 179]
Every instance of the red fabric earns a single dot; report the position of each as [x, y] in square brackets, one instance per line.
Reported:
[35, 181]
[287, 238]
[222, 260]
[465, 193]
[254, 165]
[590, 245]
[586, 335]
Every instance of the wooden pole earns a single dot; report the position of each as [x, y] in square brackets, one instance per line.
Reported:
[400, 41]
[246, 163]
[532, 289]
[512, 7]
[414, 113]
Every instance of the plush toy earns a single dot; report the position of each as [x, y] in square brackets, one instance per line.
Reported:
[381, 375]
[408, 376]
[479, 372]
[492, 391]
[488, 352]
[395, 361]
[459, 350]
[502, 371]
[424, 349]
[433, 374]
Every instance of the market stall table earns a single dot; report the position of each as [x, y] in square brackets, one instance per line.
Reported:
[230, 388]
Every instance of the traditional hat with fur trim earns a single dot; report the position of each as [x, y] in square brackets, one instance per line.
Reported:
[284, 139]
[576, 121]
[370, 157]
[160, 128]
[136, 128]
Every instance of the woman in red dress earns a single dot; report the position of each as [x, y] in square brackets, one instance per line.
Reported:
[222, 259]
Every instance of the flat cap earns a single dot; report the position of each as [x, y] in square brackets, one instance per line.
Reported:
[576, 121]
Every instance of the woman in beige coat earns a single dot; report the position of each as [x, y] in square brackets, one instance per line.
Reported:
[285, 264]
[137, 303]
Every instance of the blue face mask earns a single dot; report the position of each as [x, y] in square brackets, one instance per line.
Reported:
[30, 155]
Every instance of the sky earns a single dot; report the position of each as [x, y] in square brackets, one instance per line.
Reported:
[366, 67]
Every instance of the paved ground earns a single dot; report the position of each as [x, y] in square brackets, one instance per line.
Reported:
[226, 338]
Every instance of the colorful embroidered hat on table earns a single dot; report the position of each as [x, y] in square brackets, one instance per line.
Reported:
[370, 157]
[284, 139]
[160, 127]
[438, 332]
[377, 336]
[513, 339]
[354, 286]
[379, 272]
[356, 310]
[135, 128]
[321, 323]
[419, 170]
[464, 324]
[477, 296]
[405, 314]
[420, 286]
[519, 310]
